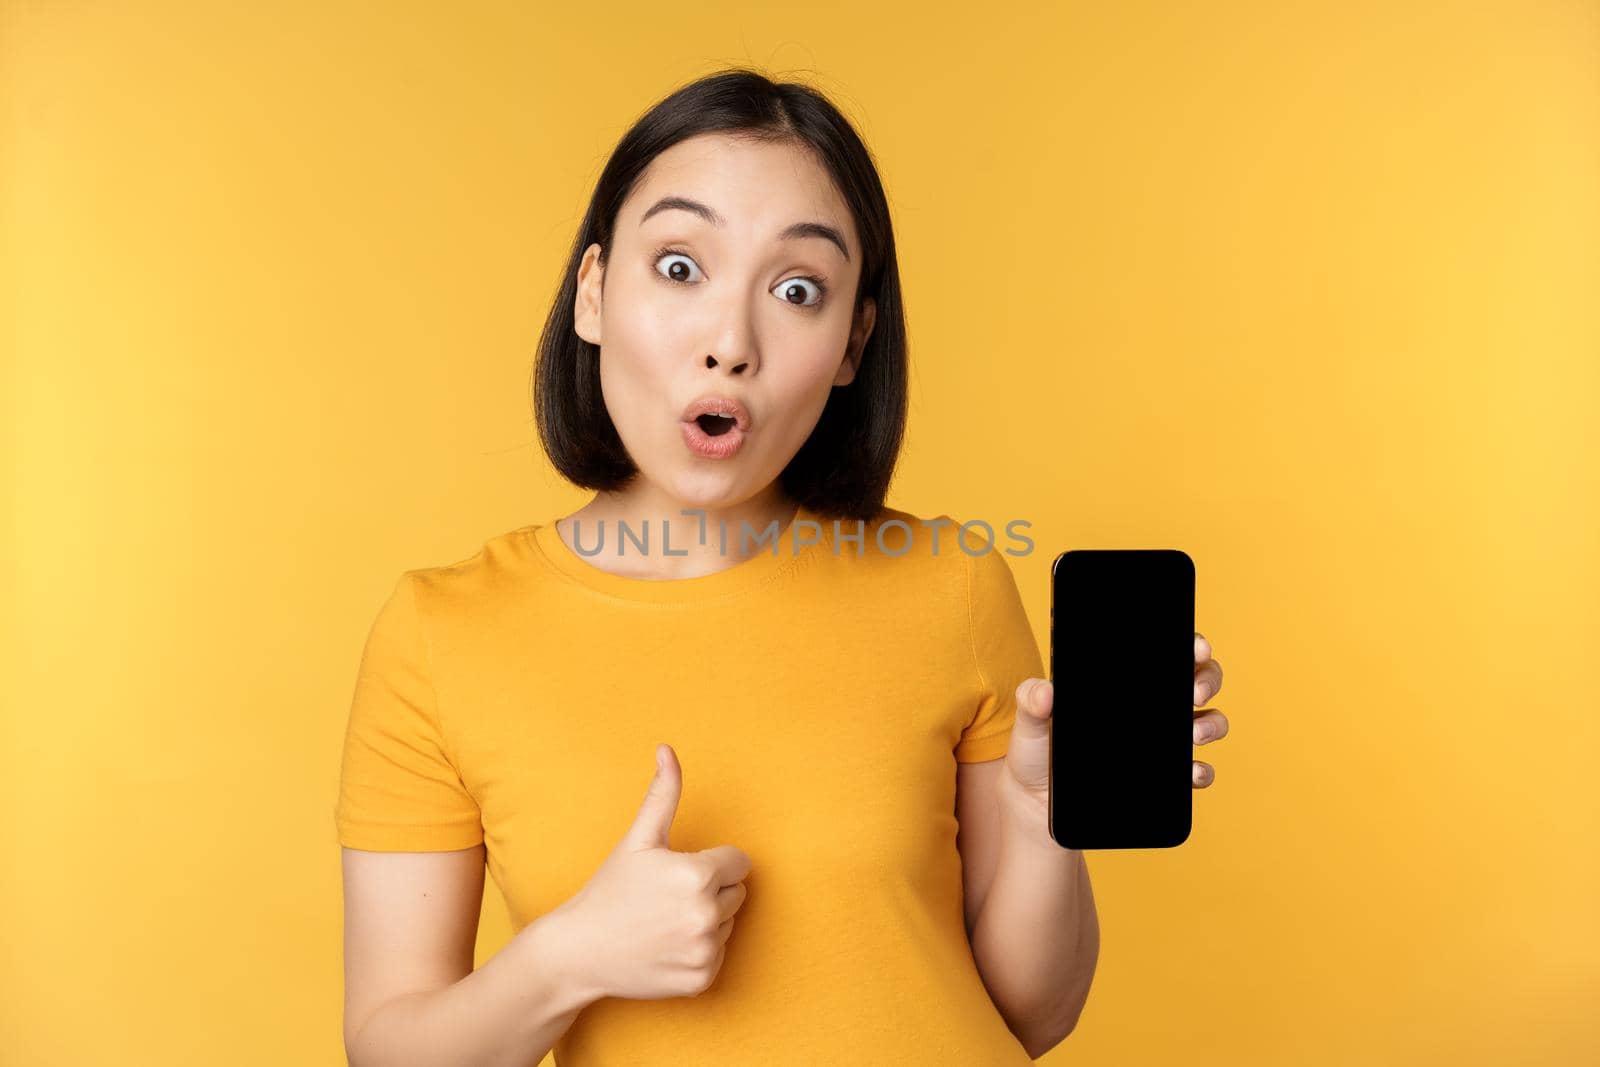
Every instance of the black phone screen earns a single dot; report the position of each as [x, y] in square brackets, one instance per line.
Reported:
[1122, 723]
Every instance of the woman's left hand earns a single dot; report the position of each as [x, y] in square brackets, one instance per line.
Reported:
[1028, 758]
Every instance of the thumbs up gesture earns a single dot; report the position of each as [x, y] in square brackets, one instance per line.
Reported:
[655, 923]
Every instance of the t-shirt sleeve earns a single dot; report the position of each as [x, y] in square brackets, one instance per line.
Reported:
[399, 790]
[1005, 652]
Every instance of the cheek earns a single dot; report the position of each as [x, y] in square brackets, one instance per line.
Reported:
[816, 357]
[634, 393]
[801, 385]
[642, 313]
[636, 361]
[646, 339]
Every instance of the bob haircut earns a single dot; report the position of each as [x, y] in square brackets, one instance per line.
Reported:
[844, 468]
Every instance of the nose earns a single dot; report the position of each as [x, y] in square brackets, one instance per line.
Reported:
[733, 366]
[733, 340]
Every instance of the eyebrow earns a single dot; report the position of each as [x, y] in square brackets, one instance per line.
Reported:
[799, 229]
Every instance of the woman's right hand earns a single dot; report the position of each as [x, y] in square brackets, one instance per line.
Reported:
[651, 922]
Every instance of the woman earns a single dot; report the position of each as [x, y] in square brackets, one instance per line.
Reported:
[827, 707]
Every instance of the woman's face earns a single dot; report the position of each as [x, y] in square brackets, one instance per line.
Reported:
[734, 309]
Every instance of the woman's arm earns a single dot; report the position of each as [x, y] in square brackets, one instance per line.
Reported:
[1036, 940]
[411, 993]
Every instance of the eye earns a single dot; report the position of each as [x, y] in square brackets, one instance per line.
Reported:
[786, 289]
[684, 274]
[672, 273]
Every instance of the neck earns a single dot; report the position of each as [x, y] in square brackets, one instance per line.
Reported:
[658, 520]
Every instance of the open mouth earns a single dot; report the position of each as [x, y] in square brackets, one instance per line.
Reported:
[716, 425]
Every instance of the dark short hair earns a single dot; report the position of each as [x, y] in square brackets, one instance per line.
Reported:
[844, 468]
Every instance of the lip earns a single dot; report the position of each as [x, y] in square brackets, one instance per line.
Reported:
[718, 404]
[702, 444]
[724, 445]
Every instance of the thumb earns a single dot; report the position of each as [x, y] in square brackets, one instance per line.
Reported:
[653, 824]
[1035, 702]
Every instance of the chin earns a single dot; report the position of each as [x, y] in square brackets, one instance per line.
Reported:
[707, 501]
[707, 492]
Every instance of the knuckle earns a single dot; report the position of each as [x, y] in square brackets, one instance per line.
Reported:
[696, 873]
[702, 955]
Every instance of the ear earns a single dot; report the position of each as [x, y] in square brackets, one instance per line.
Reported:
[586, 309]
[859, 332]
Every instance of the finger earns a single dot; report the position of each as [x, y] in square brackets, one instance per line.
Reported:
[1207, 681]
[1036, 696]
[1204, 774]
[730, 898]
[1032, 722]
[1202, 649]
[652, 826]
[729, 863]
[1210, 725]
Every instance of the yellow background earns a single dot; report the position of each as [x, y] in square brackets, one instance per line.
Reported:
[1307, 290]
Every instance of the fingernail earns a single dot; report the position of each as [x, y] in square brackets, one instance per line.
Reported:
[1207, 732]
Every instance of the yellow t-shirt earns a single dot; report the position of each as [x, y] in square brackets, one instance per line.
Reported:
[817, 698]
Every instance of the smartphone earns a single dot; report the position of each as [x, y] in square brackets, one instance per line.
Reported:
[1121, 733]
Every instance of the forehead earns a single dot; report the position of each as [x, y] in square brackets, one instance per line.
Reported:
[758, 187]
